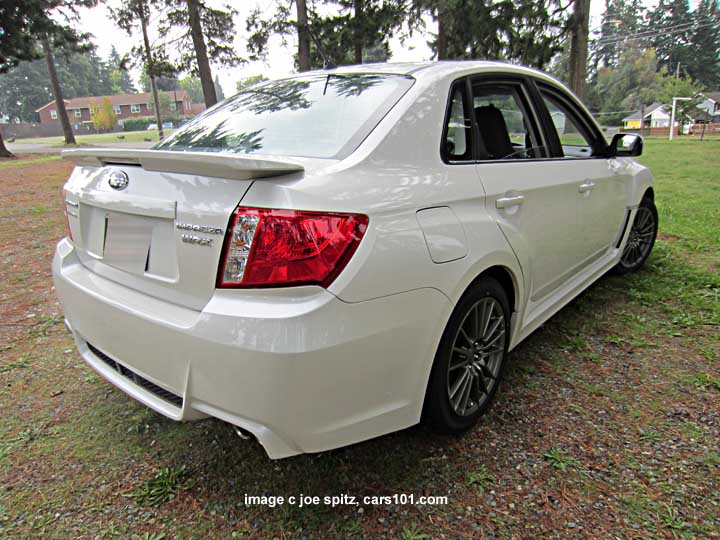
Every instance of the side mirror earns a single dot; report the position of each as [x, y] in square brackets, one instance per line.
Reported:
[626, 145]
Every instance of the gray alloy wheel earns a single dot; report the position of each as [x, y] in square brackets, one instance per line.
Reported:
[476, 357]
[641, 238]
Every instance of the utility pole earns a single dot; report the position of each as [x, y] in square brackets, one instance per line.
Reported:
[642, 117]
[672, 114]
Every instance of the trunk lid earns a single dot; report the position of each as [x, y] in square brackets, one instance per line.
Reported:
[155, 221]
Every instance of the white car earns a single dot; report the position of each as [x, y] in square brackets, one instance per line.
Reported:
[334, 256]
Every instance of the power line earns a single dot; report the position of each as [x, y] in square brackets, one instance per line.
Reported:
[647, 34]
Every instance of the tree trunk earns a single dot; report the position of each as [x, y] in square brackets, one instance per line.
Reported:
[151, 75]
[441, 35]
[358, 37]
[303, 36]
[57, 93]
[203, 63]
[579, 46]
[4, 152]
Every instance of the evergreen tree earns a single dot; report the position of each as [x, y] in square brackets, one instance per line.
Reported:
[668, 28]
[120, 78]
[207, 36]
[704, 65]
[621, 20]
[29, 30]
[218, 89]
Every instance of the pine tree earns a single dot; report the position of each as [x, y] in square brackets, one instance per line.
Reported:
[207, 37]
[519, 31]
[121, 81]
[668, 29]
[621, 20]
[704, 65]
[36, 28]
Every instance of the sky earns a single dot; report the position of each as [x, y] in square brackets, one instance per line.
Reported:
[280, 58]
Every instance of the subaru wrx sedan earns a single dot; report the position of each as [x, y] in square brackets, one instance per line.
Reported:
[334, 256]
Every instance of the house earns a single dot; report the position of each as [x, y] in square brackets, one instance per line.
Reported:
[656, 115]
[125, 106]
[709, 107]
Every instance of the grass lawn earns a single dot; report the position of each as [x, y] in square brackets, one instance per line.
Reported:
[127, 136]
[23, 160]
[606, 426]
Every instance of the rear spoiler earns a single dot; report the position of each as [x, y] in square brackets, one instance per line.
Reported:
[218, 165]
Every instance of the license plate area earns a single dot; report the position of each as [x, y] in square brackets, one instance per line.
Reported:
[128, 241]
[140, 245]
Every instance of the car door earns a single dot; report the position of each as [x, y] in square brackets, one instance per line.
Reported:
[533, 202]
[581, 154]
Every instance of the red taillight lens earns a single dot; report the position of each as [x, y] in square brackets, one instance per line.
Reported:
[63, 193]
[276, 248]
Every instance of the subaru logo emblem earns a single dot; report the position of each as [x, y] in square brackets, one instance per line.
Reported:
[118, 180]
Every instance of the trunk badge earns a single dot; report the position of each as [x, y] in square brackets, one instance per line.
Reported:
[118, 180]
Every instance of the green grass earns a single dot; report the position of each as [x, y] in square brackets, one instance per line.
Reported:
[161, 488]
[12, 163]
[128, 136]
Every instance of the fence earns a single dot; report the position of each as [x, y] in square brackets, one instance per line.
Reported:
[695, 130]
[27, 130]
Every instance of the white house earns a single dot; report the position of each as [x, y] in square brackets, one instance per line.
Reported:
[709, 107]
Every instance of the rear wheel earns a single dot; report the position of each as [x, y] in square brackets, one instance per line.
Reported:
[470, 359]
[641, 238]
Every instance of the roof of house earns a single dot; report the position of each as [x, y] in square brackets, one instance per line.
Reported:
[85, 102]
[648, 111]
[713, 96]
[197, 108]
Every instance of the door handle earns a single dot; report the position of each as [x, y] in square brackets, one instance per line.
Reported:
[586, 186]
[505, 202]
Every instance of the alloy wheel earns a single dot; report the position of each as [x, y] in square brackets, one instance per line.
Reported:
[476, 356]
[640, 239]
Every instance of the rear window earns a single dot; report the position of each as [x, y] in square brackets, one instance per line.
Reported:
[321, 116]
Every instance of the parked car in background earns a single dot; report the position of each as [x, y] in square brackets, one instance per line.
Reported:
[337, 255]
[152, 126]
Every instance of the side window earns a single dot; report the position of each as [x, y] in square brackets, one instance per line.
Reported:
[506, 129]
[457, 145]
[574, 138]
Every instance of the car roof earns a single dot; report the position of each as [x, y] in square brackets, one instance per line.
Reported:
[421, 70]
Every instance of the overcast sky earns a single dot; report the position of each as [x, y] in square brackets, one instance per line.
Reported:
[280, 59]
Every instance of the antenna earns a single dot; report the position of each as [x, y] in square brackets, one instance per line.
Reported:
[326, 63]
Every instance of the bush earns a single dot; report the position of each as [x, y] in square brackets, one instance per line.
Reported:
[141, 123]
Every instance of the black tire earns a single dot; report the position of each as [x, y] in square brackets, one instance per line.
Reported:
[641, 238]
[440, 412]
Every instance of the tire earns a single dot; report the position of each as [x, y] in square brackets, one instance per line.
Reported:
[641, 238]
[475, 328]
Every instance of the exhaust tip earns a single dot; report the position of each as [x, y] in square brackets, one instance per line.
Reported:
[242, 433]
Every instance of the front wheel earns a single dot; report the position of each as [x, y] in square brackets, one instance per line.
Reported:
[470, 359]
[641, 238]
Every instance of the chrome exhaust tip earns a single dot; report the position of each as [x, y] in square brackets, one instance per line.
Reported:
[242, 433]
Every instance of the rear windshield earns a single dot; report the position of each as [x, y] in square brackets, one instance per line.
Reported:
[321, 116]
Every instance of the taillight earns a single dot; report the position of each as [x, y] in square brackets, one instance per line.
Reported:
[277, 248]
[65, 213]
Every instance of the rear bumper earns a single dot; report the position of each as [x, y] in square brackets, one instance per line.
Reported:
[298, 368]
